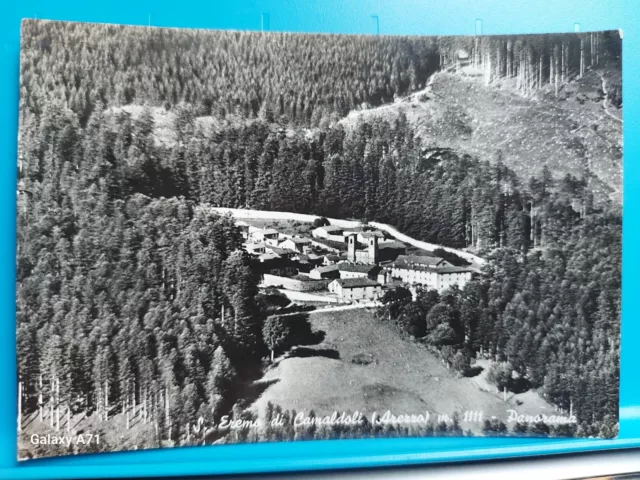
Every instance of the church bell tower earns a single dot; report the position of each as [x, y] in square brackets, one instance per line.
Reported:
[351, 248]
[373, 249]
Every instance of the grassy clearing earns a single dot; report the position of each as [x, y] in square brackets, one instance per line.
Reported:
[164, 122]
[372, 368]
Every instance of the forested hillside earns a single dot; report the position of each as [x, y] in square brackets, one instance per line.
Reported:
[304, 78]
[552, 317]
[130, 294]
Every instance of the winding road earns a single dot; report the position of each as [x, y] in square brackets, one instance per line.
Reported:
[240, 213]
[354, 306]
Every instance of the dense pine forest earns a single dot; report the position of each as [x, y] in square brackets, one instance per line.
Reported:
[302, 78]
[132, 296]
[551, 316]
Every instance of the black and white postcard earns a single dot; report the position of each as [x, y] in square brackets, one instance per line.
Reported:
[234, 237]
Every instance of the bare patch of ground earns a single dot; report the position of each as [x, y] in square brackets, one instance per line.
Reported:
[375, 369]
[571, 133]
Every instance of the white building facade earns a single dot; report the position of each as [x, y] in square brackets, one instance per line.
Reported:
[436, 278]
[356, 289]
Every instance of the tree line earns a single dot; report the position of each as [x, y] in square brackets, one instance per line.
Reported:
[535, 61]
[307, 80]
[126, 302]
[376, 171]
[303, 78]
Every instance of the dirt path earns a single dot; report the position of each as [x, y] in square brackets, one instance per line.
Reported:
[357, 306]
[405, 99]
[476, 262]
[307, 297]
[605, 100]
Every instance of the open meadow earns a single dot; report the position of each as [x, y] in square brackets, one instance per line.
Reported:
[365, 364]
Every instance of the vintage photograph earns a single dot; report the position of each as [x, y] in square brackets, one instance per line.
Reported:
[236, 237]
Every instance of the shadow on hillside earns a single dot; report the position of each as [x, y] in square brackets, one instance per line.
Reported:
[304, 352]
[253, 391]
[519, 385]
[301, 332]
[474, 371]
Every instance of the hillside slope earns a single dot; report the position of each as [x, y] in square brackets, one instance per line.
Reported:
[572, 133]
[577, 132]
[397, 374]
